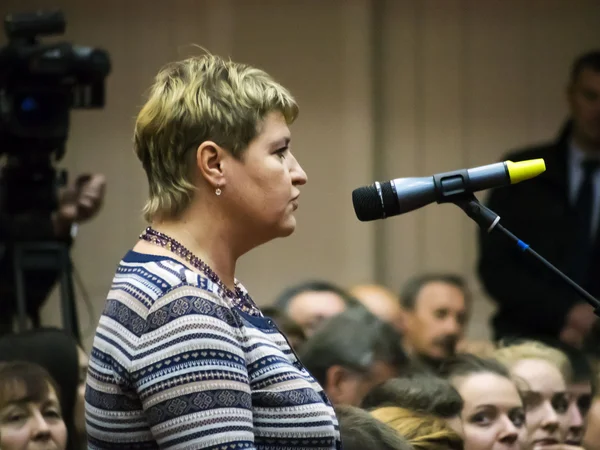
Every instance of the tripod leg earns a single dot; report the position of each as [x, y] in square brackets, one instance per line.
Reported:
[20, 287]
[68, 306]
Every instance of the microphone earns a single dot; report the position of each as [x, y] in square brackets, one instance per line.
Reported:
[402, 195]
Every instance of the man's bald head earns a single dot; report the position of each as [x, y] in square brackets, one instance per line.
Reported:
[381, 301]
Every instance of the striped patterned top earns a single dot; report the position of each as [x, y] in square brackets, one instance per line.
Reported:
[175, 366]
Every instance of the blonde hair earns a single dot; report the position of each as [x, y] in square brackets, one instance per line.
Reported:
[359, 430]
[512, 354]
[423, 432]
[192, 101]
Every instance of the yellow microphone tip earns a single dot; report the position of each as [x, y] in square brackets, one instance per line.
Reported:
[524, 170]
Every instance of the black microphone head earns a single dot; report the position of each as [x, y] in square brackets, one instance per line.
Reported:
[367, 203]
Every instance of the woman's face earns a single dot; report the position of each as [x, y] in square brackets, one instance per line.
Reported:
[545, 400]
[580, 400]
[493, 416]
[29, 425]
[262, 187]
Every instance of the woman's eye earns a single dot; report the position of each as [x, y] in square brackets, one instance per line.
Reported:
[518, 418]
[53, 414]
[282, 152]
[560, 403]
[583, 403]
[15, 418]
[480, 419]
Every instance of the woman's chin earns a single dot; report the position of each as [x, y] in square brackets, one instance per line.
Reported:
[287, 227]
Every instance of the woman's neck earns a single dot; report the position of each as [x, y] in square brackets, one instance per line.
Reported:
[206, 240]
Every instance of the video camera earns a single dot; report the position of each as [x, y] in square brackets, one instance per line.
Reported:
[39, 85]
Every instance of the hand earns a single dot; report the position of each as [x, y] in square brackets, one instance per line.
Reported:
[582, 318]
[572, 336]
[80, 202]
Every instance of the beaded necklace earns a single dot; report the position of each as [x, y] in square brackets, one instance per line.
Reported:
[239, 298]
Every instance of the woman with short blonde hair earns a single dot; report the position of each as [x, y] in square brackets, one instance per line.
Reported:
[183, 357]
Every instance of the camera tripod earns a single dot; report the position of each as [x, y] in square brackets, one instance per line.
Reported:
[45, 256]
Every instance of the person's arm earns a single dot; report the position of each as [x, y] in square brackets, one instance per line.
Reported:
[515, 280]
[191, 374]
[78, 203]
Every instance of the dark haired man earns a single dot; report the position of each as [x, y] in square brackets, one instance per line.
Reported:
[435, 311]
[311, 302]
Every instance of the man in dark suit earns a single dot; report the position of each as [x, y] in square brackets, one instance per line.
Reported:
[557, 214]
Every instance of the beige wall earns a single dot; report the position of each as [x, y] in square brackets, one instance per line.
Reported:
[387, 89]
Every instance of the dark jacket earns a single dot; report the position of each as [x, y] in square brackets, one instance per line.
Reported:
[531, 301]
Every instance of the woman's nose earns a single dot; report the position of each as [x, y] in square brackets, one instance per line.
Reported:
[510, 432]
[40, 431]
[550, 421]
[299, 176]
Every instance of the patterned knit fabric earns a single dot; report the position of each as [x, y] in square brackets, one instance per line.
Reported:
[174, 366]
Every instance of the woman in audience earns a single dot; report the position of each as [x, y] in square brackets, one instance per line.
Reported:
[30, 412]
[361, 431]
[58, 353]
[545, 372]
[422, 431]
[422, 393]
[493, 415]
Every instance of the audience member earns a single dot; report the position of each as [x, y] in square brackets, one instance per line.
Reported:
[545, 372]
[361, 431]
[557, 214]
[422, 393]
[311, 302]
[380, 301]
[351, 353]
[581, 388]
[58, 353]
[435, 309]
[423, 432]
[290, 329]
[30, 409]
[493, 415]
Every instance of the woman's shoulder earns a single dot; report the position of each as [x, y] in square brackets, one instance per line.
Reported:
[155, 271]
[151, 281]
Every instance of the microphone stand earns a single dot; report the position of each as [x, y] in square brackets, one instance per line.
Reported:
[489, 221]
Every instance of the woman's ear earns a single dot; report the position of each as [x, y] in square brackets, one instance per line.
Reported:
[210, 158]
[335, 383]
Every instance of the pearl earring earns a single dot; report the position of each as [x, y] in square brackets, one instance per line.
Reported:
[218, 191]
